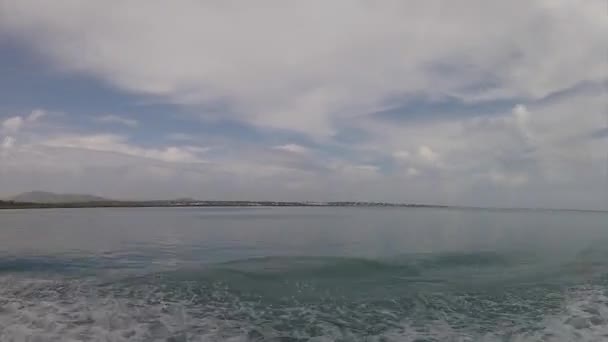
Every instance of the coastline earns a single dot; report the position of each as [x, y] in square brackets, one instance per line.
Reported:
[249, 204]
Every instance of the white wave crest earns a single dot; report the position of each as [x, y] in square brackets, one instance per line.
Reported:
[78, 310]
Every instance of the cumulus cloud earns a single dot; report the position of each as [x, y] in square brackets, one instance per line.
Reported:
[8, 142]
[6, 146]
[521, 113]
[13, 124]
[544, 145]
[12, 127]
[36, 115]
[114, 166]
[427, 154]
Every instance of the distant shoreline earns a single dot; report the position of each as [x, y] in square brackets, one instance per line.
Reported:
[162, 204]
[254, 204]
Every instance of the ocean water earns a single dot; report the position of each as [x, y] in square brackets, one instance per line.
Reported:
[302, 274]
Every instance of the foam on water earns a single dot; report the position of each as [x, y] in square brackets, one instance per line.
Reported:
[82, 309]
[75, 310]
[584, 318]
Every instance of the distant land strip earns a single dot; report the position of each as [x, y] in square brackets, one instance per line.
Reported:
[177, 203]
[193, 203]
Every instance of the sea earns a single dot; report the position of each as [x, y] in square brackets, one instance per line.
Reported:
[303, 274]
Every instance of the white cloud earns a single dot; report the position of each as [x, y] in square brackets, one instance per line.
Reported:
[12, 124]
[412, 171]
[551, 151]
[278, 67]
[510, 180]
[401, 155]
[36, 115]
[111, 166]
[424, 158]
[427, 154]
[118, 144]
[481, 151]
[545, 145]
[293, 148]
[115, 119]
[521, 113]
[15, 124]
[8, 143]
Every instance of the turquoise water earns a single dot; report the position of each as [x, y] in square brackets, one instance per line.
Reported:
[302, 274]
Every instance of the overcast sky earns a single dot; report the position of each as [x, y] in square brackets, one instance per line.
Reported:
[475, 102]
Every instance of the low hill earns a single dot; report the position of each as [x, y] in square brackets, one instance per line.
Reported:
[49, 197]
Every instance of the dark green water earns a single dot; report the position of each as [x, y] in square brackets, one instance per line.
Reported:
[303, 274]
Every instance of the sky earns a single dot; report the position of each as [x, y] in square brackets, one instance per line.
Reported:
[473, 102]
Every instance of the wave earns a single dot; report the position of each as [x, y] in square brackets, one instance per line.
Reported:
[49, 264]
[62, 309]
[422, 297]
[313, 267]
[354, 267]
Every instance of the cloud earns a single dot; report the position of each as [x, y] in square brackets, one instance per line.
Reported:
[457, 161]
[292, 148]
[401, 155]
[181, 137]
[111, 165]
[7, 143]
[72, 158]
[115, 119]
[425, 158]
[36, 115]
[521, 113]
[524, 151]
[118, 144]
[354, 172]
[530, 74]
[276, 67]
[506, 179]
[13, 124]
[412, 171]
[427, 154]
